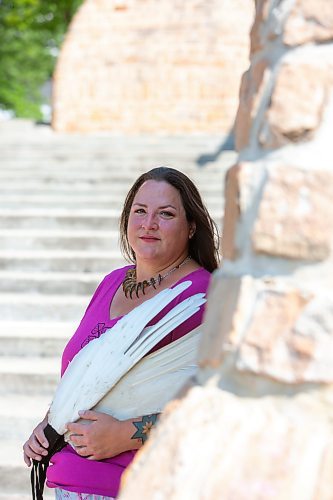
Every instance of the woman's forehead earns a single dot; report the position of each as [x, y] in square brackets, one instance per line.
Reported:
[158, 191]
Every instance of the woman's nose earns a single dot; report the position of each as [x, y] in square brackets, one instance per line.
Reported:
[150, 222]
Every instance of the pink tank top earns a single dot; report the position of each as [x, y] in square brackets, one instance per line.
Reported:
[68, 470]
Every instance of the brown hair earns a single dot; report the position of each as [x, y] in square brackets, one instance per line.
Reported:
[203, 246]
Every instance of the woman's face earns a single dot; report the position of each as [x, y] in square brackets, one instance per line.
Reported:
[158, 230]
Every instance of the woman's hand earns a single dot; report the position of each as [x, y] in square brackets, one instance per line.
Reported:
[36, 446]
[102, 437]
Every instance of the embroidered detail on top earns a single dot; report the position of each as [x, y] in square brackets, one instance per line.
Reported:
[96, 332]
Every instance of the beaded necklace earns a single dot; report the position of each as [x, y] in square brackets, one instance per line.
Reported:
[130, 285]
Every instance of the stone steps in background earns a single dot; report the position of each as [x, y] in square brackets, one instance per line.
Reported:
[60, 201]
[46, 307]
[34, 338]
[107, 219]
[60, 260]
[65, 239]
[29, 376]
[73, 200]
[46, 282]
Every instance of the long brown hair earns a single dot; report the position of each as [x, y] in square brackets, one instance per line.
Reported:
[204, 245]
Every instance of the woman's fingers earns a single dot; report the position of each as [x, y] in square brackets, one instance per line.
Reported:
[40, 436]
[33, 450]
[78, 439]
[76, 427]
[35, 445]
[26, 459]
[84, 451]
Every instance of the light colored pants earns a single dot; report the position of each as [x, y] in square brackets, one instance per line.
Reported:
[69, 495]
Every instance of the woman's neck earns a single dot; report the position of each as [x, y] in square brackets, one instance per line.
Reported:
[146, 270]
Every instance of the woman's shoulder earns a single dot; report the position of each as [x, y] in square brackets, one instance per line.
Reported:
[116, 273]
[200, 279]
[113, 279]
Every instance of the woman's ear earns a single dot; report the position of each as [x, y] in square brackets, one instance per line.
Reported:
[192, 230]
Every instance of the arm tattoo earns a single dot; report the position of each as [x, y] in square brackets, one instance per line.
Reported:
[144, 426]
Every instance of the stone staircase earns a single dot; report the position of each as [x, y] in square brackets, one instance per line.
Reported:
[60, 199]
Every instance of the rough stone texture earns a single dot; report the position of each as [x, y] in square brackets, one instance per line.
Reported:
[297, 104]
[309, 21]
[267, 341]
[251, 90]
[232, 212]
[152, 66]
[264, 29]
[295, 218]
[234, 448]
[270, 329]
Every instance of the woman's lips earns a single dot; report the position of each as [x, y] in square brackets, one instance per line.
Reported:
[149, 239]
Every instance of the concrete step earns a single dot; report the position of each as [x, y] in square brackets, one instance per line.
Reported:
[34, 338]
[14, 187]
[60, 261]
[142, 145]
[14, 474]
[93, 185]
[59, 219]
[79, 201]
[49, 282]
[120, 170]
[117, 170]
[66, 218]
[21, 413]
[44, 239]
[45, 308]
[29, 376]
[86, 188]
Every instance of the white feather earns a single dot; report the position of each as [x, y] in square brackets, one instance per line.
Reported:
[99, 365]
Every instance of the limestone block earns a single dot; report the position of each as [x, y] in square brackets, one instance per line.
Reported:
[262, 12]
[231, 213]
[309, 21]
[251, 90]
[240, 182]
[262, 335]
[295, 217]
[212, 445]
[297, 104]
[267, 24]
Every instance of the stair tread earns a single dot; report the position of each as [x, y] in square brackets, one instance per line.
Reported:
[24, 406]
[37, 329]
[54, 276]
[58, 253]
[57, 232]
[31, 365]
[35, 298]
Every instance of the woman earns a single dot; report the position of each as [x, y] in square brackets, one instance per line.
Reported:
[167, 233]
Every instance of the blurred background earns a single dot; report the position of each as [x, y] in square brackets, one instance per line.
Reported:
[31, 33]
[94, 93]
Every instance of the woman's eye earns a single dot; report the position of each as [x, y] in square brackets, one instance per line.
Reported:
[139, 211]
[165, 213]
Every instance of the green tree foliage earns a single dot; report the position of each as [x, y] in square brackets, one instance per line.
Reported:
[31, 32]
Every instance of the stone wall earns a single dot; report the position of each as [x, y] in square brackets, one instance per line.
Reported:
[152, 66]
[256, 422]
